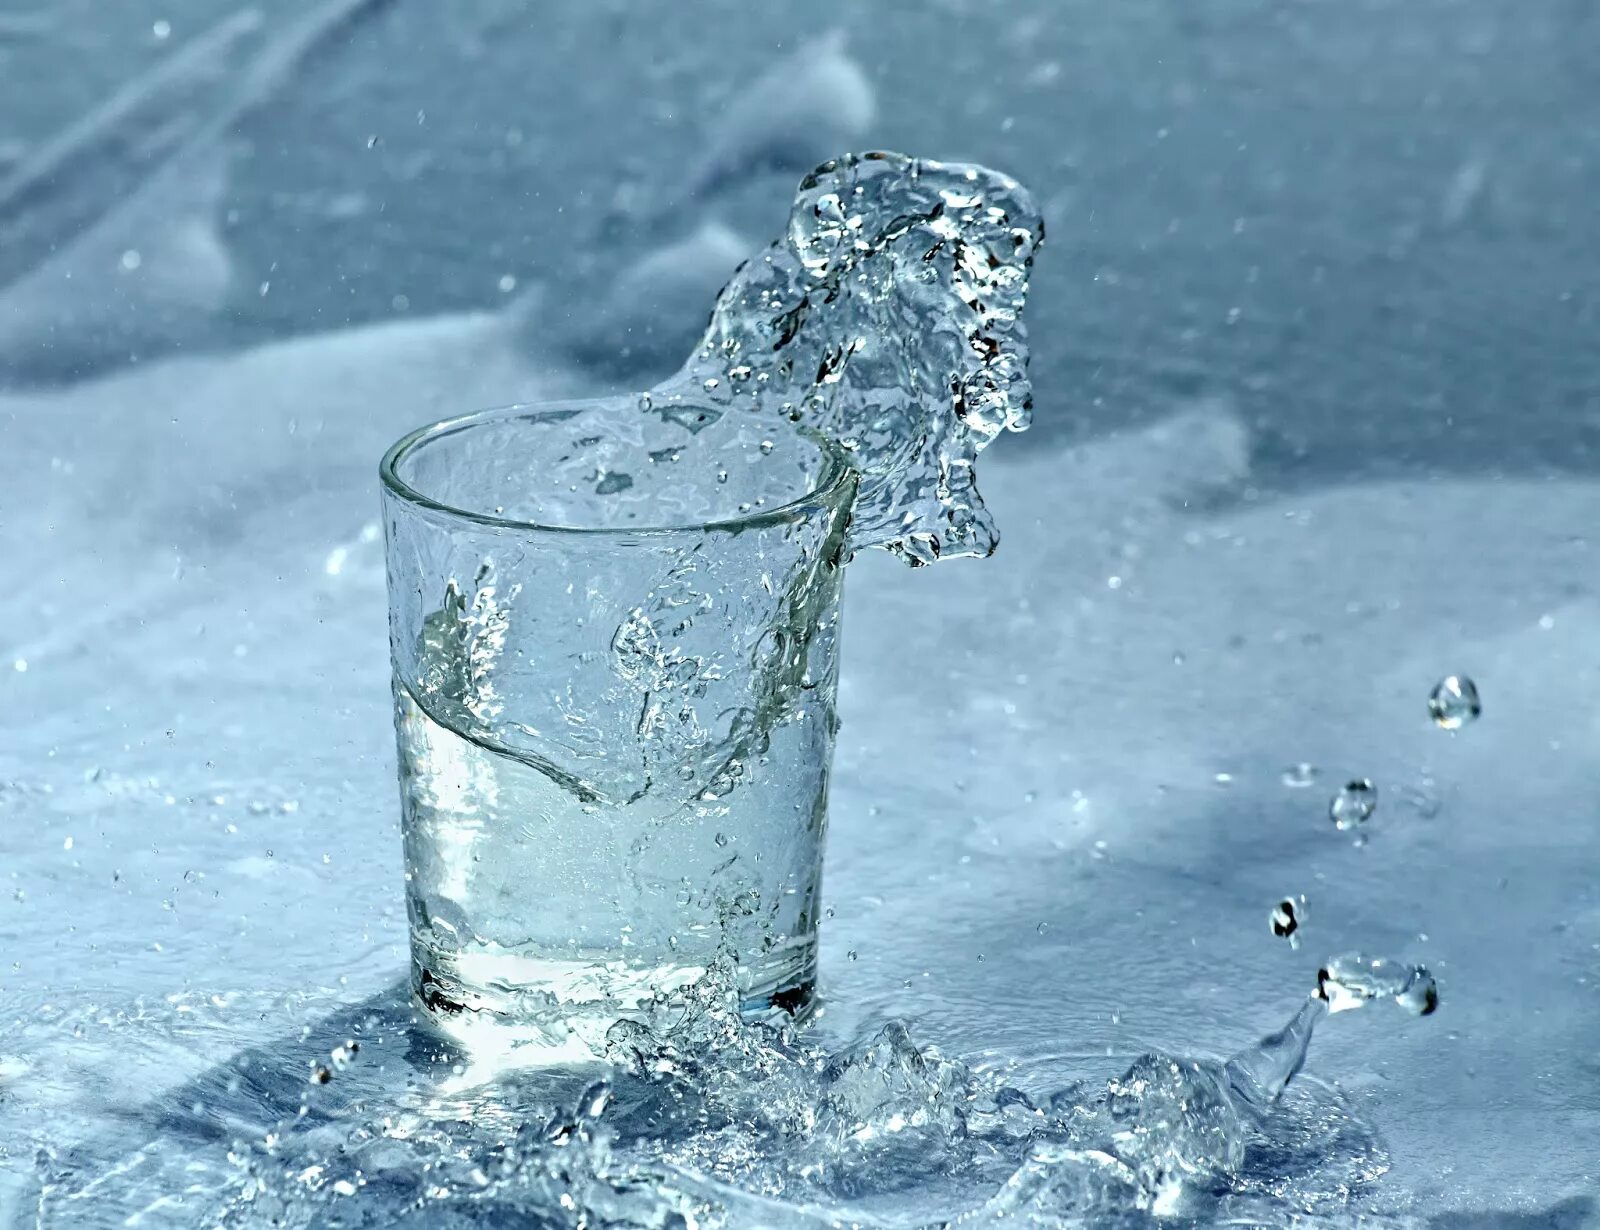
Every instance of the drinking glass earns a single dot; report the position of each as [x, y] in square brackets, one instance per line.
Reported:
[614, 633]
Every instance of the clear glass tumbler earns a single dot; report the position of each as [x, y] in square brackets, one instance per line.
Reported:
[614, 632]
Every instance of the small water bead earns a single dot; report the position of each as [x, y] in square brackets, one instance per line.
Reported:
[1454, 702]
[1353, 805]
[1287, 916]
[1300, 776]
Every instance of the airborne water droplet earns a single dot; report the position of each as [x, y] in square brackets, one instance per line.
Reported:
[1354, 979]
[1454, 702]
[1287, 916]
[1353, 805]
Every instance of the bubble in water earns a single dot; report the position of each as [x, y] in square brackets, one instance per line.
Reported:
[1454, 702]
[1353, 979]
[1299, 776]
[1353, 805]
[1287, 916]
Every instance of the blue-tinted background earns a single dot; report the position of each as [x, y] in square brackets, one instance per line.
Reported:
[1317, 400]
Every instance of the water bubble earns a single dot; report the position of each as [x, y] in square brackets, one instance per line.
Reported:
[1299, 776]
[321, 1074]
[1353, 805]
[721, 839]
[851, 954]
[1287, 916]
[1454, 702]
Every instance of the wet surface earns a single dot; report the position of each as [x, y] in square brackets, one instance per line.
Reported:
[1313, 373]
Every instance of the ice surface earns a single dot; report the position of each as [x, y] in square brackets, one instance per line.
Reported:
[205, 919]
[150, 275]
[1274, 606]
[802, 108]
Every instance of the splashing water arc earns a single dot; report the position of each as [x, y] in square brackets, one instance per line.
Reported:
[889, 317]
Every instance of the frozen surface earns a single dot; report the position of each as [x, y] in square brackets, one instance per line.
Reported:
[1070, 786]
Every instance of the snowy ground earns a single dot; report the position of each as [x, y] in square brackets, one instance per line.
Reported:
[1236, 542]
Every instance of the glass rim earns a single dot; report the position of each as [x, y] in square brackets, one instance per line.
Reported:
[836, 473]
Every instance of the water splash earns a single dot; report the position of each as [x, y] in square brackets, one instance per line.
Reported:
[705, 1119]
[889, 317]
[1201, 1138]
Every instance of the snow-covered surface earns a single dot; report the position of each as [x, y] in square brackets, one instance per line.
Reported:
[1059, 814]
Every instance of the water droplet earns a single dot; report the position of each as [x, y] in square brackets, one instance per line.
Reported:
[721, 839]
[1287, 916]
[1042, 928]
[1420, 995]
[1454, 702]
[162, 31]
[1299, 776]
[851, 954]
[320, 1074]
[766, 447]
[1353, 806]
[131, 260]
[507, 284]
[1354, 979]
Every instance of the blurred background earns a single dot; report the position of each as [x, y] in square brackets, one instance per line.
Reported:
[1317, 384]
[1369, 225]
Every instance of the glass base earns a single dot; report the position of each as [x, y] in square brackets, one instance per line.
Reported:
[531, 1010]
